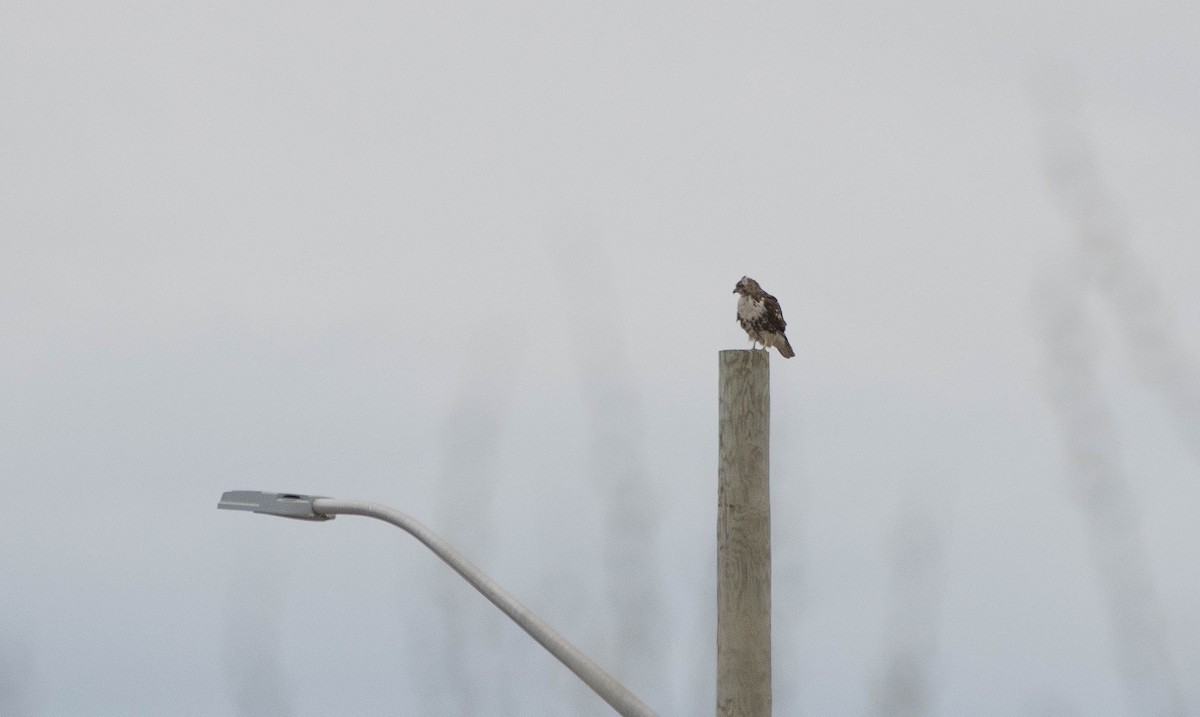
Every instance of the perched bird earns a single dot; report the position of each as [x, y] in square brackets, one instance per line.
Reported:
[759, 314]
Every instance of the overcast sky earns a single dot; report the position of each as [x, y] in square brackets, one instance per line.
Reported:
[474, 261]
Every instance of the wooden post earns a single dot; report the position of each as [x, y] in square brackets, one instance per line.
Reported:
[744, 536]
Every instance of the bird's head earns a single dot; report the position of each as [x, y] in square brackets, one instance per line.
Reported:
[746, 285]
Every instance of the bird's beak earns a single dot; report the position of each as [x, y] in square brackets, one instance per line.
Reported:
[735, 289]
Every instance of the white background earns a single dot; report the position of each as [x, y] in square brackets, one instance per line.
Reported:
[474, 261]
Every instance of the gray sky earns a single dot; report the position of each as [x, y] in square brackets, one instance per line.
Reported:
[269, 246]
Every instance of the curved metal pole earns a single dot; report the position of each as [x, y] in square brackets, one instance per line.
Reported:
[611, 691]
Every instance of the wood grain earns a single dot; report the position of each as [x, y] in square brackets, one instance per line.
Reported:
[744, 536]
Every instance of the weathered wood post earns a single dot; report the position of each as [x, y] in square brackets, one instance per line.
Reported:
[744, 536]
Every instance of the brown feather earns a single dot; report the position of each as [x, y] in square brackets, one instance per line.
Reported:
[760, 315]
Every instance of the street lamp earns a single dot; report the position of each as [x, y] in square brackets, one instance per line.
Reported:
[311, 507]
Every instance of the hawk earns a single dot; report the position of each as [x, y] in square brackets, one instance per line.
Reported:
[759, 314]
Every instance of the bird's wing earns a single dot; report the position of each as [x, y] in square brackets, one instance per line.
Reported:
[774, 312]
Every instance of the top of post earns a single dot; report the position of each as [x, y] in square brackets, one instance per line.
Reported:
[747, 358]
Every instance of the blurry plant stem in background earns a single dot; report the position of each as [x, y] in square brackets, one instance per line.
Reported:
[905, 687]
[631, 505]
[1104, 262]
[473, 677]
[16, 676]
[1101, 261]
[254, 662]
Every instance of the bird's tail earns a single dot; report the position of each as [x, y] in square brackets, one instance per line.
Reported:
[786, 349]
